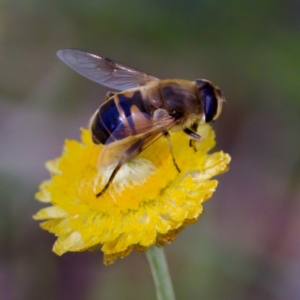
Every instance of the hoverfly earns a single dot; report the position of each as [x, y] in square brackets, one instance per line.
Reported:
[145, 109]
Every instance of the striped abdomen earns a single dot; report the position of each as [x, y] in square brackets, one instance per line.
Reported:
[114, 119]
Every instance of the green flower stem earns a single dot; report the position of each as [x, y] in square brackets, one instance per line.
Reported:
[160, 273]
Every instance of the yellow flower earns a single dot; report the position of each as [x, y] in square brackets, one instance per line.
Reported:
[148, 202]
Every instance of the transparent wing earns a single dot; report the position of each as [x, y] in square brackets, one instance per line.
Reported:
[104, 70]
[134, 141]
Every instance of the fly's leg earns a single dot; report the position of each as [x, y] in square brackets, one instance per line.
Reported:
[131, 152]
[194, 135]
[192, 144]
[111, 178]
[167, 135]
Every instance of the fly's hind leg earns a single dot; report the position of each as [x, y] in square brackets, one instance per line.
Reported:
[167, 135]
[129, 154]
[111, 178]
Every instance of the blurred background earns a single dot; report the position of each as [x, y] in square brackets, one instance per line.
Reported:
[246, 245]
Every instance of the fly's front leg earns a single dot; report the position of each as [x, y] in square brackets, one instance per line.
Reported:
[195, 136]
[192, 144]
[167, 135]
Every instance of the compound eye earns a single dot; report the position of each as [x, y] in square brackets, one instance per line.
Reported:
[210, 107]
[212, 99]
[210, 102]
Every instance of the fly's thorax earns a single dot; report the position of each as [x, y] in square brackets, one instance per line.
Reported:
[151, 95]
[180, 96]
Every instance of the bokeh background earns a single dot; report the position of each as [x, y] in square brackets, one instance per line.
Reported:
[246, 245]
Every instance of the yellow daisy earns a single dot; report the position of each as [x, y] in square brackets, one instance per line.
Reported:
[148, 202]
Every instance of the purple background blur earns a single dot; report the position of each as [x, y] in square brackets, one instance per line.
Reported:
[246, 245]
